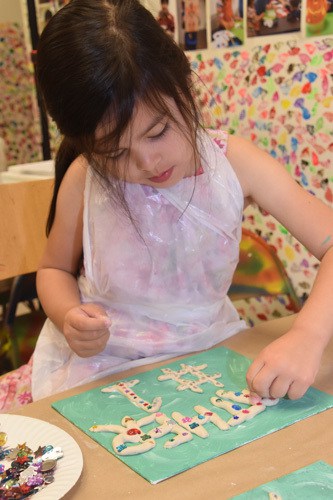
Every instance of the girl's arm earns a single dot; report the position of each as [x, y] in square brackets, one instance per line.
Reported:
[289, 364]
[84, 325]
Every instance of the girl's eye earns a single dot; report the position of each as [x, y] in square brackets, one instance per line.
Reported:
[115, 155]
[160, 134]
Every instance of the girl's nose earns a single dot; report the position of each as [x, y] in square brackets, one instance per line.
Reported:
[148, 161]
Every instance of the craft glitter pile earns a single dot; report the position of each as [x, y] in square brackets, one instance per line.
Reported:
[24, 472]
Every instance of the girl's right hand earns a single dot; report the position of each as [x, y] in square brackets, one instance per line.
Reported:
[86, 329]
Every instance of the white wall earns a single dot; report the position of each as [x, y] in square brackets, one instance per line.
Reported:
[16, 11]
[10, 11]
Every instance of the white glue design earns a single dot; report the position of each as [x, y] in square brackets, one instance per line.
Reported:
[233, 407]
[244, 397]
[195, 424]
[193, 385]
[130, 432]
[131, 440]
[238, 396]
[124, 388]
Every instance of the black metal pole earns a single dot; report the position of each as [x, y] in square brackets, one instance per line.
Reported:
[34, 35]
[32, 16]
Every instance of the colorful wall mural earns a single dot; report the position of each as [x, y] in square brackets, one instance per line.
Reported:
[19, 117]
[279, 96]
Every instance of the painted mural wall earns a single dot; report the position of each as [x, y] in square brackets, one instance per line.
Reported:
[279, 96]
[19, 117]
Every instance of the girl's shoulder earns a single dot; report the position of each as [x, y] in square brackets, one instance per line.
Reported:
[73, 184]
[220, 137]
[78, 168]
[77, 172]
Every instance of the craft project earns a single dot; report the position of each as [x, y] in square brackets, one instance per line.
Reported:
[239, 413]
[195, 424]
[314, 481]
[124, 388]
[185, 383]
[244, 397]
[130, 432]
[188, 428]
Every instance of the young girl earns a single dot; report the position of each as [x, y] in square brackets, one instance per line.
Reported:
[145, 222]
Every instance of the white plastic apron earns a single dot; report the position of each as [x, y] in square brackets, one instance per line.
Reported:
[164, 285]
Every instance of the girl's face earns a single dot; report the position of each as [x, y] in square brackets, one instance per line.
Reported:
[153, 150]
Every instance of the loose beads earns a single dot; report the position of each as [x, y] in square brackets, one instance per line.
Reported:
[28, 472]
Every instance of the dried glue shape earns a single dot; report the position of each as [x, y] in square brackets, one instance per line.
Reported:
[131, 440]
[239, 413]
[193, 385]
[125, 389]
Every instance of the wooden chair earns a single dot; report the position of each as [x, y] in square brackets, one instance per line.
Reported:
[23, 207]
[261, 273]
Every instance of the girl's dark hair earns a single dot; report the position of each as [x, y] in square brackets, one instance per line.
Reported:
[96, 59]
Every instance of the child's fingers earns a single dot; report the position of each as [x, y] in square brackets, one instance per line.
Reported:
[297, 389]
[90, 324]
[252, 372]
[280, 386]
[85, 349]
[254, 398]
[87, 342]
[93, 310]
[90, 335]
[87, 329]
[260, 379]
[90, 318]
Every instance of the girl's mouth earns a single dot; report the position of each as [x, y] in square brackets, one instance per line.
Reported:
[163, 177]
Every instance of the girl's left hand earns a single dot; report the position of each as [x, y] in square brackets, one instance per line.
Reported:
[287, 366]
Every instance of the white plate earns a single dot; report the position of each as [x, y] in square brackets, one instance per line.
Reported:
[36, 433]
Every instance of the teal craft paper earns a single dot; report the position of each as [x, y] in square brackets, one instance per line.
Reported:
[313, 482]
[95, 407]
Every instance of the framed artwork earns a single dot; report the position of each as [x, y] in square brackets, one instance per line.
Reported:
[45, 9]
[272, 17]
[319, 17]
[184, 20]
[227, 27]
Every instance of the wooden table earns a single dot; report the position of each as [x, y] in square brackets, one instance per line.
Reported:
[106, 477]
[23, 207]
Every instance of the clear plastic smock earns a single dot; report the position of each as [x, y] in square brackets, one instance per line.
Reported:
[163, 280]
